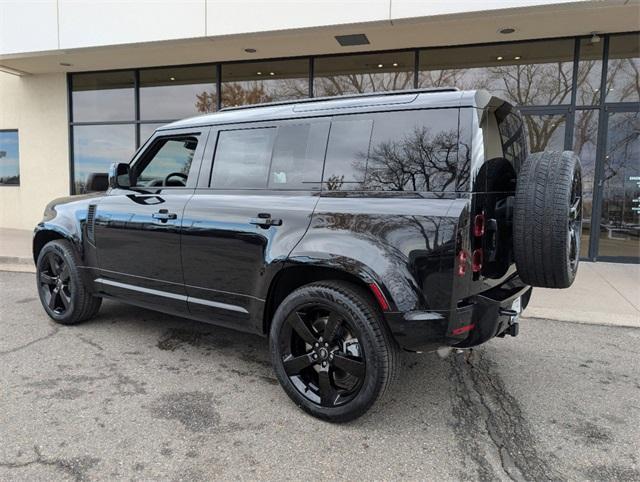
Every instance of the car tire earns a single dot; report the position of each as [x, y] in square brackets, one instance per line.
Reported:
[548, 219]
[361, 357]
[62, 292]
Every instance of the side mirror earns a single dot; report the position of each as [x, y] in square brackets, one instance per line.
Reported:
[119, 175]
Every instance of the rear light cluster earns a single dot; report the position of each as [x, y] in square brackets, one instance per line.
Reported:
[477, 253]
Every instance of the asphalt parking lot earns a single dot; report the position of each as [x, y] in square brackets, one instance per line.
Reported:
[138, 395]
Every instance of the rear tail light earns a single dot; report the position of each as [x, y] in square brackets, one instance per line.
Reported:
[478, 225]
[462, 262]
[463, 329]
[476, 260]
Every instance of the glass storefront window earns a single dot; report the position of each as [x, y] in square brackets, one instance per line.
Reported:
[9, 158]
[589, 72]
[585, 139]
[103, 96]
[96, 147]
[525, 73]
[176, 92]
[146, 130]
[545, 132]
[620, 218]
[270, 81]
[623, 69]
[350, 74]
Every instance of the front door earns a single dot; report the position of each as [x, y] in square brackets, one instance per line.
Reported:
[248, 214]
[137, 230]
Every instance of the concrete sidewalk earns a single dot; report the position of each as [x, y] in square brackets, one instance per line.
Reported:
[15, 250]
[603, 293]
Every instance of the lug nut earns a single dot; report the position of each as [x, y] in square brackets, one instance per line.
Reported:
[331, 356]
[316, 344]
[326, 345]
[315, 356]
[324, 364]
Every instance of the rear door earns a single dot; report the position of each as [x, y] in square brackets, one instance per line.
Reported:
[256, 192]
[137, 230]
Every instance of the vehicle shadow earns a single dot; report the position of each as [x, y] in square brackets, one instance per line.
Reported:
[423, 383]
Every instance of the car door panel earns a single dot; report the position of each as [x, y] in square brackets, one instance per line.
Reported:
[235, 239]
[228, 260]
[137, 236]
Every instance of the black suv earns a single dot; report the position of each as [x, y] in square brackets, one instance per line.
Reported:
[342, 229]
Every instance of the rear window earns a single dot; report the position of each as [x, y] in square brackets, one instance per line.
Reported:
[347, 152]
[242, 158]
[288, 156]
[393, 151]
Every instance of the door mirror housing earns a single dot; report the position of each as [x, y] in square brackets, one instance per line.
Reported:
[119, 175]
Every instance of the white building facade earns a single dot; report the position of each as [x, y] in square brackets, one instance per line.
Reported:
[83, 83]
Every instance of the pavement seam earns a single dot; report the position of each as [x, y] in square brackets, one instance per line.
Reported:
[617, 291]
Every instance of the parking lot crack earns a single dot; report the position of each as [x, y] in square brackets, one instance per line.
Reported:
[75, 467]
[30, 343]
[504, 421]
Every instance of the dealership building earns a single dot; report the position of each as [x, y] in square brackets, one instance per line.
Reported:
[85, 83]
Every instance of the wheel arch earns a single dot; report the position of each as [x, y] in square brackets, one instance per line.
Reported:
[46, 234]
[295, 275]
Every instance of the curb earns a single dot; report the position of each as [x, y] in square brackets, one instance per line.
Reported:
[17, 263]
[15, 260]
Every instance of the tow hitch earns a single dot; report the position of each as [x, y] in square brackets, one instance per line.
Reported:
[514, 326]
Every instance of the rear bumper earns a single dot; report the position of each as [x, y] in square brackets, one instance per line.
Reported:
[475, 320]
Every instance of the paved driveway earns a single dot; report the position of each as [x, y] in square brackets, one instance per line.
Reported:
[136, 394]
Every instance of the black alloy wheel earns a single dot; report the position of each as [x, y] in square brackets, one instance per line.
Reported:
[575, 221]
[55, 283]
[62, 292]
[331, 350]
[322, 355]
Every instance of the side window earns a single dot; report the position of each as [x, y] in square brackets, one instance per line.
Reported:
[414, 151]
[168, 163]
[298, 155]
[242, 158]
[346, 160]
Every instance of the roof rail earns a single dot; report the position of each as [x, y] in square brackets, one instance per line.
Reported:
[341, 97]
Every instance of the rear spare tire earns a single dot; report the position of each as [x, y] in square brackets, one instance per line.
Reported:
[548, 219]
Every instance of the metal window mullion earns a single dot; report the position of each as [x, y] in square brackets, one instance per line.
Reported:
[596, 211]
[311, 76]
[570, 122]
[70, 127]
[218, 86]
[416, 68]
[136, 100]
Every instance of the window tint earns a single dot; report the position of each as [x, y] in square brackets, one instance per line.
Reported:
[414, 151]
[346, 159]
[297, 156]
[172, 156]
[242, 158]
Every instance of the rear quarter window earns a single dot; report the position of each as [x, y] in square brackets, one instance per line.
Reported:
[414, 151]
[393, 151]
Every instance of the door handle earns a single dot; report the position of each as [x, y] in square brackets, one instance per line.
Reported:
[164, 215]
[264, 220]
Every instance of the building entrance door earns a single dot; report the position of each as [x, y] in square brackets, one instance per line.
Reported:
[618, 237]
